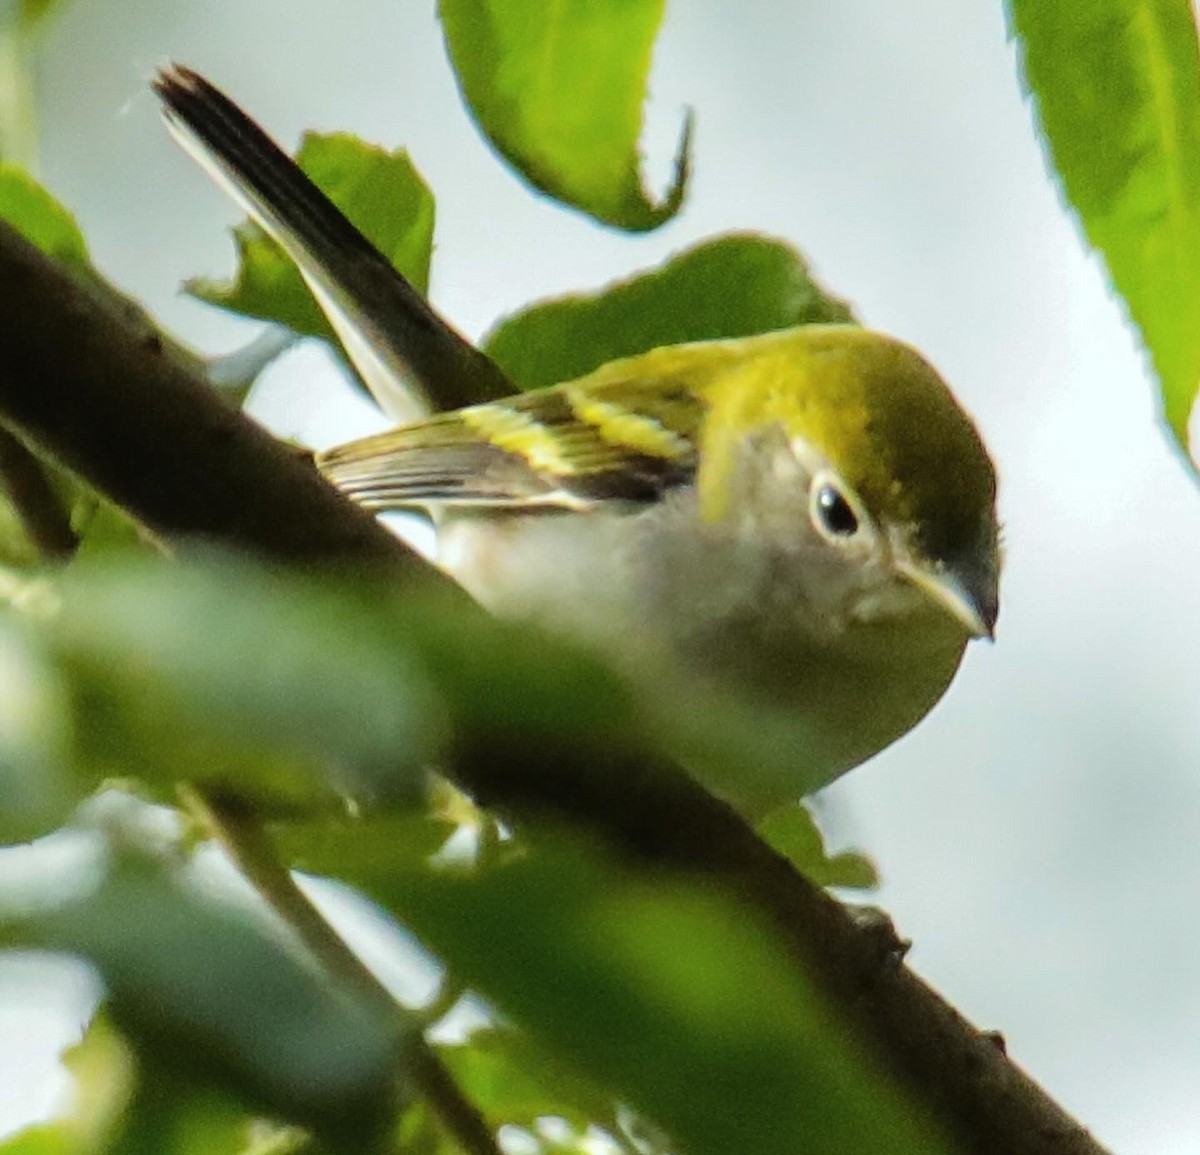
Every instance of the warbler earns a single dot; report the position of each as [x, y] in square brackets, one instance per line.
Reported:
[797, 528]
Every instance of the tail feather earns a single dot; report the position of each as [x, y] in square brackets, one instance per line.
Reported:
[411, 359]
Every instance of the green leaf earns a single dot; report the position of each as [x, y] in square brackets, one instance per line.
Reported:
[113, 1111]
[17, 551]
[793, 831]
[382, 194]
[1116, 85]
[38, 217]
[666, 993]
[41, 1139]
[687, 299]
[173, 1116]
[516, 1082]
[362, 852]
[237, 676]
[299, 692]
[213, 1001]
[33, 12]
[558, 89]
[35, 793]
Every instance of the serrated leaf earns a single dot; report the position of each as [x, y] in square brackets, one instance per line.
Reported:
[558, 87]
[687, 299]
[38, 217]
[381, 193]
[209, 999]
[1116, 87]
[666, 993]
[793, 831]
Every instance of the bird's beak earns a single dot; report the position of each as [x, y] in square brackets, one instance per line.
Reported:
[971, 601]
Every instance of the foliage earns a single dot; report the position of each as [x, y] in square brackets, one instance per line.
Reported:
[39, 217]
[1116, 85]
[687, 299]
[558, 89]
[380, 192]
[585, 998]
[576, 948]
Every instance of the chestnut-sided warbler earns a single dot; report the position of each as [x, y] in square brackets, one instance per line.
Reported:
[797, 527]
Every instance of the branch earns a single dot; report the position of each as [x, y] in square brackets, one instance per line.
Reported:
[85, 377]
[243, 838]
[105, 399]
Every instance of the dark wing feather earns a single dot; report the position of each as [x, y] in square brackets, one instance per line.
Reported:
[572, 446]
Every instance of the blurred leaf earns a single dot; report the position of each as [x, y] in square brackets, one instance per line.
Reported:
[62, 515]
[361, 852]
[793, 831]
[516, 1082]
[103, 526]
[210, 999]
[173, 1116]
[240, 676]
[382, 194]
[301, 693]
[558, 90]
[16, 550]
[1116, 84]
[18, 117]
[102, 1071]
[687, 299]
[41, 1139]
[38, 217]
[722, 1043]
[35, 794]
[419, 1133]
[33, 12]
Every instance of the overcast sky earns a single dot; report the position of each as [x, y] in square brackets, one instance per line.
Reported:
[1038, 833]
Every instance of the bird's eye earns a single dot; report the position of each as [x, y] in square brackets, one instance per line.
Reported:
[832, 512]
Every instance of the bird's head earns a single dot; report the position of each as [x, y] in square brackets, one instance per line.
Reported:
[865, 462]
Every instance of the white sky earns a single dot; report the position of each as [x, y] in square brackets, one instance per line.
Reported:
[1038, 833]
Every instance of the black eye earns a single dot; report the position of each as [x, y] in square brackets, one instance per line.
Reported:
[835, 514]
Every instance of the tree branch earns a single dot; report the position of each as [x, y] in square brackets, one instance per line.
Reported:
[243, 838]
[103, 397]
[87, 379]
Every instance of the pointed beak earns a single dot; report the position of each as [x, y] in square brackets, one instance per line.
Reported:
[971, 600]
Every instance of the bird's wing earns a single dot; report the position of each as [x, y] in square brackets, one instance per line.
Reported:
[572, 447]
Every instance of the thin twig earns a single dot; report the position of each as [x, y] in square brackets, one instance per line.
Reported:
[43, 517]
[240, 833]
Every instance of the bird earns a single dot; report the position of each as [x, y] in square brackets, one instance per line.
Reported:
[788, 537]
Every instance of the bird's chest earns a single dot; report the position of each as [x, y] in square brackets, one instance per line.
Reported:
[632, 578]
[710, 625]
